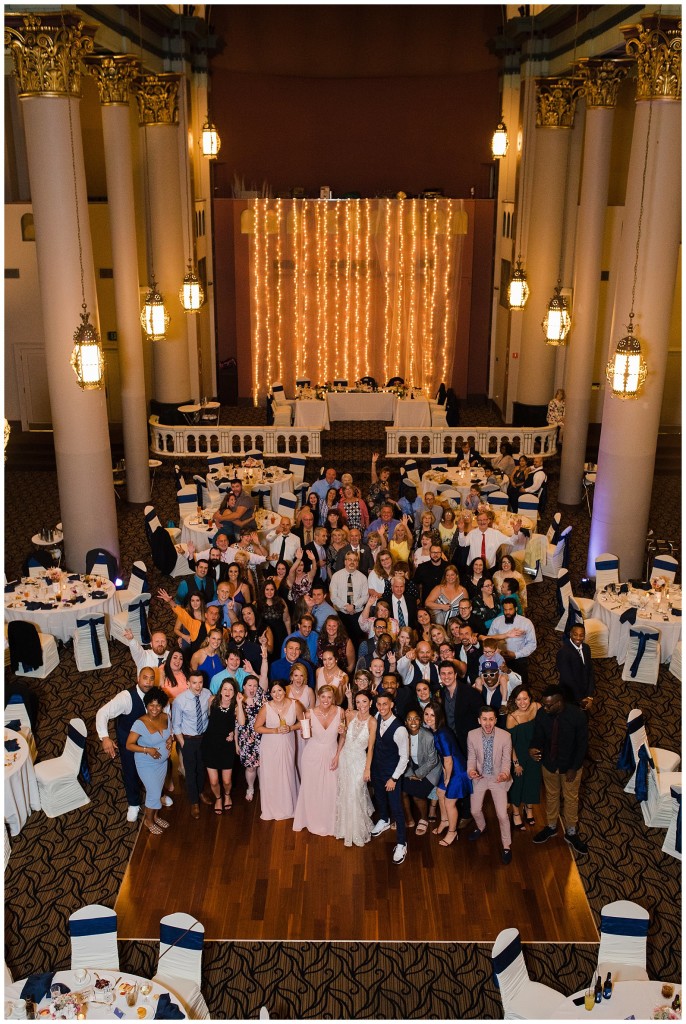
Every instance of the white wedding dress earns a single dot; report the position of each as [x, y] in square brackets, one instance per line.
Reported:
[353, 805]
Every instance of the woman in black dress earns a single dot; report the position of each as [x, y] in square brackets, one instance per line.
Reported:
[219, 744]
[274, 613]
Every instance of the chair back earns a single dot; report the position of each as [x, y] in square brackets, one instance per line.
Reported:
[300, 491]
[606, 570]
[665, 566]
[449, 495]
[642, 649]
[278, 392]
[553, 534]
[369, 381]
[181, 943]
[91, 650]
[138, 583]
[180, 479]
[340, 383]
[509, 967]
[564, 590]
[636, 733]
[623, 934]
[93, 934]
[498, 499]
[102, 563]
[395, 381]
[25, 646]
[528, 504]
[138, 619]
[187, 498]
[287, 505]
[439, 462]
[255, 454]
[260, 493]
[303, 382]
[215, 464]
[297, 468]
[563, 544]
[412, 471]
[75, 744]
[152, 520]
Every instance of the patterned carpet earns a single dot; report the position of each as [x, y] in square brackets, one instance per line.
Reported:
[57, 865]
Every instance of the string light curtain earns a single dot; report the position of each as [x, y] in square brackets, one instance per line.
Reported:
[344, 289]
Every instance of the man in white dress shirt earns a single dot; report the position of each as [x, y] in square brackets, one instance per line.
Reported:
[348, 594]
[152, 657]
[485, 540]
[389, 761]
[403, 607]
[519, 636]
[283, 545]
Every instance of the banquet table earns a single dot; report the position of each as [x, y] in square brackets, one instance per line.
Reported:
[361, 405]
[630, 1000]
[311, 414]
[96, 1008]
[279, 479]
[21, 786]
[412, 412]
[460, 479]
[59, 618]
[609, 607]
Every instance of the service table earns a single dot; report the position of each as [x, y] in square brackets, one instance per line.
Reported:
[652, 609]
[99, 1002]
[190, 412]
[54, 600]
[21, 785]
[411, 412]
[459, 479]
[631, 1000]
[41, 542]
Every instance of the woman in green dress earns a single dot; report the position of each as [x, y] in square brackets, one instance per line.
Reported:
[526, 773]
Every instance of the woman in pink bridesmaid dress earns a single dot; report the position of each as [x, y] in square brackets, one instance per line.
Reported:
[277, 721]
[316, 807]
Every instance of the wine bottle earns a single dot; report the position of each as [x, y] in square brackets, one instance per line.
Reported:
[607, 987]
[598, 990]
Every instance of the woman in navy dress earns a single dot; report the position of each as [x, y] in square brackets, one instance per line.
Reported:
[150, 742]
[454, 783]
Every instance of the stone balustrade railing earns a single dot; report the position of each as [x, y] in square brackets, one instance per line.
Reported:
[235, 442]
[429, 442]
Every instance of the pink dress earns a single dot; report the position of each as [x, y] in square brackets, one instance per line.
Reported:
[316, 808]
[278, 781]
[307, 700]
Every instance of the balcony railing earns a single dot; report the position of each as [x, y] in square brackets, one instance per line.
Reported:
[177, 442]
[428, 442]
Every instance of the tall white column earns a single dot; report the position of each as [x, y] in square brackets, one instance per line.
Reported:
[628, 439]
[47, 50]
[556, 101]
[601, 84]
[114, 76]
[157, 97]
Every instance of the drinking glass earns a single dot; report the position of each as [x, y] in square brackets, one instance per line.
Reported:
[589, 999]
[81, 974]
[132, 996]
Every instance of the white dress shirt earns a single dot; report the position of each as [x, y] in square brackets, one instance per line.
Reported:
[254, 559]
[521, 646]
[338, 590]
[536, 481]
[401, 738]
[405, 668]
[143, 658]
[291, 545]
[399, 602]
[119, 705]
[494, 538]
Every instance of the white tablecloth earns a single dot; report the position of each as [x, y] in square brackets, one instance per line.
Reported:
[278, 479]
[21, 786]
[61, 620]
[311, 414]
[460, 480]
[361, 405]
[412, 413]
[628, 997]
[608, 609]
[97, 1010]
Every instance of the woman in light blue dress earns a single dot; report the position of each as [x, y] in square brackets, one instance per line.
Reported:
[150, 741]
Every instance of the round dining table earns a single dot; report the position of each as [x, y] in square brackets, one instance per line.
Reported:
[278, 479]
[630, 1000]
[459, 479]
[35, 599]
[609, 608]
[21, 785]
[96, 1006]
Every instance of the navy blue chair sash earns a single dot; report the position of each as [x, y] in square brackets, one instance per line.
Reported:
[75, 736]
[677, 838]
[184, 939]
[95, 642]
[643, 639]
[93, 926]
[631, 926]
[644, 761]
[501, 961]
[612, 563]
[627, 761]
[143, 618]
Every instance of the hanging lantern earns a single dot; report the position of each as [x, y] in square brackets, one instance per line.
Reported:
[518, 288]
[627, 371]
[154, 317]
[500, 141]
[191, 293]
[87, 358]
[211, 143]
[557, 321]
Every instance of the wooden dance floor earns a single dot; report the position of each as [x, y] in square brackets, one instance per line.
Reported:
[250, 879]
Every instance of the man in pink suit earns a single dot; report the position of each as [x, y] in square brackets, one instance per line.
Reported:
[489, 756]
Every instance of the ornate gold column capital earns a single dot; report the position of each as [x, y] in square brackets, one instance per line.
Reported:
[114, 76]
[600, 80]
[158, 99]
[47, 50]
[556, 102]
[656, 46]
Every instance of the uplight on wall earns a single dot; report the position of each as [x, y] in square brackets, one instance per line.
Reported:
[210, 141]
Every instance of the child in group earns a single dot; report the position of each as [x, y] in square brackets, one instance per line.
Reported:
[473, 499]
[491, 654]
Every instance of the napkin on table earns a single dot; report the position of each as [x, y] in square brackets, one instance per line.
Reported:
[14, 725]
[35, 606]
[98, 594]
[166, 1010]
[11, 745]
[11, 587]
[37, 986]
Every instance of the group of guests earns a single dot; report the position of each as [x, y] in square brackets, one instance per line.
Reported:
[358, 659]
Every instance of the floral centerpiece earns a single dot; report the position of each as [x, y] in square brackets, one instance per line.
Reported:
[665, 1013]
[658, 582]
[54, 575]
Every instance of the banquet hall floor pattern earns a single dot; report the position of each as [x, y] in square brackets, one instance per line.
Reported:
[57, 865]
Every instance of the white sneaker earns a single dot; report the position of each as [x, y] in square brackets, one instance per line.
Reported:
[167, 801]
[381, 826]
[399, 853]
[132, 813]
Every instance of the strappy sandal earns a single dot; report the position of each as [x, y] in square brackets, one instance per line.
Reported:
[218, 810]
[530, 820]
[154, 829]
[227, 802]
[439, 830]
[161, 823]
[422, 826]
[519, 825]
[452, 833]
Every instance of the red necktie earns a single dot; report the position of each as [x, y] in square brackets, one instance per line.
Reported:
[483, 548]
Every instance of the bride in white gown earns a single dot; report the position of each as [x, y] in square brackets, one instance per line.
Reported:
[353, 804]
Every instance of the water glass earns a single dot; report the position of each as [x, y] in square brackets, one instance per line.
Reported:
[132, 996]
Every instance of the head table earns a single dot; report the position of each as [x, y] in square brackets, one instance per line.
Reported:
[96, 999]
[54, 605]
[21, 786]
[652, 610]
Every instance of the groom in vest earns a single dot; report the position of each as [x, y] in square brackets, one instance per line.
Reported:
[389, 761]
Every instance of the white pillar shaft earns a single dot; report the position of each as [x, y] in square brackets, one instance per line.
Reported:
[119, 169]
[626, 459]
[581, 349]
[537, 360]
[172, 379]
[81, 434]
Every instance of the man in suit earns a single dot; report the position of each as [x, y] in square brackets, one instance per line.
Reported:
[316, 552]
[575, 666]
[389, 761]
[366, 563]
[403, 607]
[419, 664]
[305, 529]
[429, 574]
[489, 756]
[200, 583]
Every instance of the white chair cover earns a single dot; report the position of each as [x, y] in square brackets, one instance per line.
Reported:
[15, 711]
[279, 395]
[138, 583]
[449, 495]
[297, 468]
[180, 962]
[180, 478]
[643, 654]
[101, 569]
[255, 454]
[51, 658]
[187, 499]
[412, 472]
[498, 499]
[58, 787]
[182, 568]
[93, 933]
[287, 504]
[134, 618]
[439, 462]
[340, 383]
[623, 939]
[675, 662]
[303, 382]
[664, 760]
[665, 566]
[91, 650]
[672, 843]
[215, 464]
[283, 414]
[522, 998]
[211, 495]
[556, 555]
[606, 570]
[581, 605]
[554, 528]
[527, 504]
[657, 809]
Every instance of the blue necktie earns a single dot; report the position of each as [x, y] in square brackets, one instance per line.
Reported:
[198, 716]
[401, 617]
